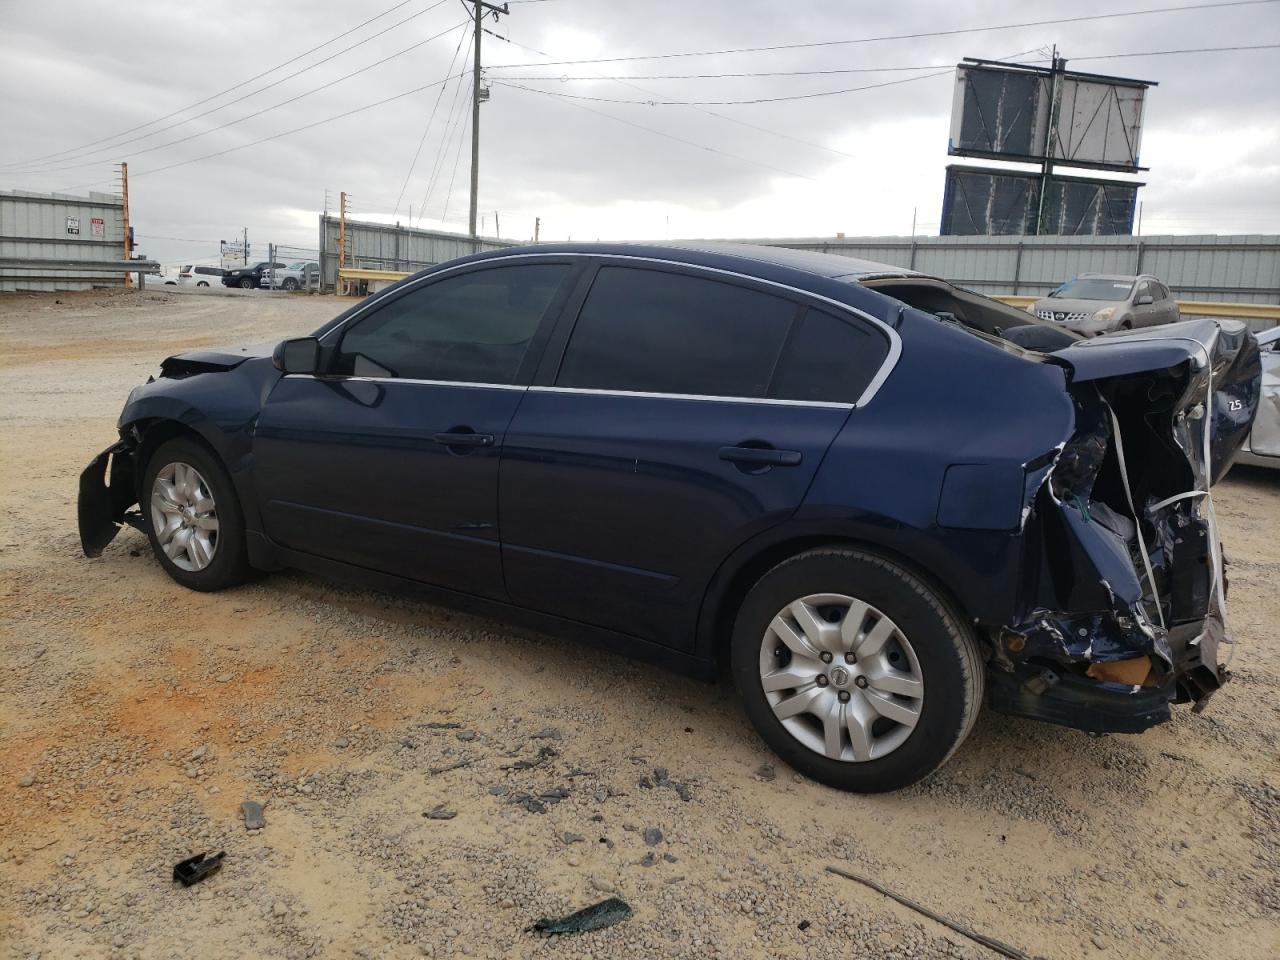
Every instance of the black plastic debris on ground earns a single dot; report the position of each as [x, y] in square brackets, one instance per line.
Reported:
[194, 869]
[544, 754]
[538, 804]
[595, 917]
[661, 779]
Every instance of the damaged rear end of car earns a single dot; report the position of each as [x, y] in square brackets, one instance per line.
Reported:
[1122, 599]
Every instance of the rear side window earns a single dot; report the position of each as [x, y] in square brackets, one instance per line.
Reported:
[828, 359]
[648, 331]
[474, 327]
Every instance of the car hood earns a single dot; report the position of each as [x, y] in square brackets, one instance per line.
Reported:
[213, 359]
[1063, 305]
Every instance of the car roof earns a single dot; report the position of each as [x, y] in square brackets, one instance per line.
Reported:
[714, 253]
[1114, 276]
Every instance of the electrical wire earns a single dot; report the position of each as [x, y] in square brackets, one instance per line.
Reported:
[671, 136]
[442, 150]
[242, 83]
[275, 136]
[427, 127]
[462, 127]
[264, 110]
[900, 36]
[846, 70]
[730, 103]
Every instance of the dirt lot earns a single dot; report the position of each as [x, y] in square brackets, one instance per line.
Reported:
[135, 717]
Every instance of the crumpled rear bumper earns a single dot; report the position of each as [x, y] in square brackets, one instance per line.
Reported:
[102, 506]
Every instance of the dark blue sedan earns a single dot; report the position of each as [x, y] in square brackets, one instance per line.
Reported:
[876, 499]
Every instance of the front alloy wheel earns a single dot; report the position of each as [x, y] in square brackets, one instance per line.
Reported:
[184, 516]
[841, 677]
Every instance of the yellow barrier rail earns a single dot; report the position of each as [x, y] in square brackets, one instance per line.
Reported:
[352, 273]
[1192, 308]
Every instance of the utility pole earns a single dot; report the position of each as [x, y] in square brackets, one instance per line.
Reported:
[1058, 67]
[245, 251]
[342, 240]
[124, 212]
[537, 228]
[497, 225]
[480, 7]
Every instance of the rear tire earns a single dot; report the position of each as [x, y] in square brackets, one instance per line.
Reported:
[879, 719]
[187, 495]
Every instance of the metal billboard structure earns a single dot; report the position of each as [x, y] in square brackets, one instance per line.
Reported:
[979, 201]
[1047, 116]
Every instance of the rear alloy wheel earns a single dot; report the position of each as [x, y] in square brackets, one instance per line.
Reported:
[854, 670]
[194, 520]
[841, 677]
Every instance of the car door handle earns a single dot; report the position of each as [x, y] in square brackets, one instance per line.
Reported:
[761, 456]
[463, 439]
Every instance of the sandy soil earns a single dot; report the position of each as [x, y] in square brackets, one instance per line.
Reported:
[136, 716]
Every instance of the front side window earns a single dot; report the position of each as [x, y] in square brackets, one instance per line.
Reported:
[649, 331]
[474, 327]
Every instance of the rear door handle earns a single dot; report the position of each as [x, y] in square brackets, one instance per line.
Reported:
[761, 456]
[463, 439]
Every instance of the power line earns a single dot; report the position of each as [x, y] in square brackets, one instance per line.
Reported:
[274, 136]
[443, 149]
[846, 70]
[237, 86]
[671, 136]
[729, 103]
[427, 127]
[900, 36]
[258, 113]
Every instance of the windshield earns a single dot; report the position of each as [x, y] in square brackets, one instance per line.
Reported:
[1085, 288]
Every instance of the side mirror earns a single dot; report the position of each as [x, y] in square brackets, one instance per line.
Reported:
[1144, 300]
[297, 356]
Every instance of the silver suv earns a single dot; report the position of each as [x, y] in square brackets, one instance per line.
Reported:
[1095, 303]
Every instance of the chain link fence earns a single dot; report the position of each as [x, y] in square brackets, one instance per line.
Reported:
[291, 268]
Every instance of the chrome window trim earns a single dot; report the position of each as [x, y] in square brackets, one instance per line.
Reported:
[872, 388]
[776, 401]
[345, 378]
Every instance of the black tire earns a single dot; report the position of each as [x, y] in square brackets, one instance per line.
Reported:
[290, 283]
[246, 283]
[950, 664]
[202, 283]
[1126, 325]
[229, 565]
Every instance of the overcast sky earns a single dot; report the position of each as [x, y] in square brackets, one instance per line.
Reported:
[863, 162]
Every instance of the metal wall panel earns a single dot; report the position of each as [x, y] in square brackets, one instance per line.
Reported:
[382, 246]
[36, 225]
[1233, 269]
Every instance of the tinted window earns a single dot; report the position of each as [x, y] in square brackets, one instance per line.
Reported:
[1093, 288]
[829, 359]
[655, 332]
[474, 327]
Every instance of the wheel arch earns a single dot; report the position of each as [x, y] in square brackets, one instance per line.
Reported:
[744, 568]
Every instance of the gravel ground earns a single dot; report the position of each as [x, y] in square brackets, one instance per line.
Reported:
[384, 740]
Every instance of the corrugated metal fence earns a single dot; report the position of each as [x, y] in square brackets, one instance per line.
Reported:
[53, 226]
[1227, 269]
[381, 246]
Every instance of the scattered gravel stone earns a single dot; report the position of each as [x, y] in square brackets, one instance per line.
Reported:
[499, 790]
[652, 836]
[766, 772]
[279, 909]
[602, 885]
[27, 780]
[251, 811]
[648, 860]
[467, 735]
[547, 733]
[440, 812]
[569, 837]
[224, 677]
[342, 743]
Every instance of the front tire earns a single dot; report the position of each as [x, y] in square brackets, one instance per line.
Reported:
[855, 671]
[246, 283]
[194, 520]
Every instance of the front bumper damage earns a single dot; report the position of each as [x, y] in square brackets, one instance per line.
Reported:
[1124, 590]
[102, 507]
